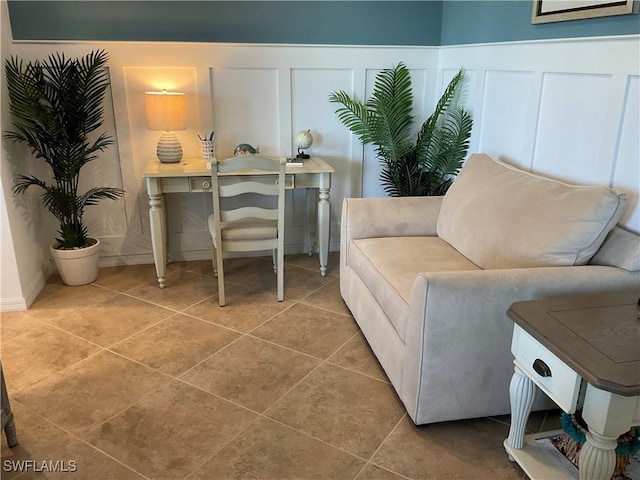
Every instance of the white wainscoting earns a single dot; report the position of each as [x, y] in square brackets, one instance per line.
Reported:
[257, 94]
[566, 108]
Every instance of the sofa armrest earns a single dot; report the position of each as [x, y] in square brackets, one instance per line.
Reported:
[459, 336]
[387, 217]
[390, 217]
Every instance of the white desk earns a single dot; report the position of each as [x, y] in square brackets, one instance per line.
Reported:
[193, 176]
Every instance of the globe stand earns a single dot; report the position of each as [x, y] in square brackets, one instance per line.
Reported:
[302, 155]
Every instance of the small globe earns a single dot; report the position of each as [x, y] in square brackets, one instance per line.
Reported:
[303, 139]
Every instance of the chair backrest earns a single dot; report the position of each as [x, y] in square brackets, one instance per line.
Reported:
[248, 174]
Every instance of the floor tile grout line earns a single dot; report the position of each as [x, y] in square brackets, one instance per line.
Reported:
[109, 348]
[358, 372]
[142, 299]
[144, 329]
[34, 306]
[217, 395]
[222, 447]
[177, 377]
[402, 418]
[328, 360]
[77, 437]
[342, 314]
[171, 314]
[180, 377]
[370, 459]
[270, 342]
[152, 392]
[16, 391]
[498, 421]
[306, 434]
[231, 328]
[242, 334]
[139, 399]
[277, 400]
[322, 362]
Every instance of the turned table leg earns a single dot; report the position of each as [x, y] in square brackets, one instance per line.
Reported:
[158, 235]
[607, 416]
[522, 391]
[324, 221]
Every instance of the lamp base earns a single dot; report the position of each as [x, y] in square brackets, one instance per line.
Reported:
[169, 148]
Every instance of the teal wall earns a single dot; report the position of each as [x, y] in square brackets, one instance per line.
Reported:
[298, 22]
[431, 23]
[466, 22]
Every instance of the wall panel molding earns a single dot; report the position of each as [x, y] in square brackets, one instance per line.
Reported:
[287, 86]
[567, 109]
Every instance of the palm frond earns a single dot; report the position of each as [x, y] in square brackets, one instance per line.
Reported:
[354, 115]
[392, 102]
[93, 196]
[385, 120]
[426, 134]
[56, 104]
[22, 182]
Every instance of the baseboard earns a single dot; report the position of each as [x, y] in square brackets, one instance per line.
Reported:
[193, 255]
[15, 304]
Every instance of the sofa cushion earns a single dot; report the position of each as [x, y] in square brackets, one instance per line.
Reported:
[502, 217]
[388, 266]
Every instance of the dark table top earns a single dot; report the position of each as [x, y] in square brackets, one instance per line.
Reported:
[598, 336]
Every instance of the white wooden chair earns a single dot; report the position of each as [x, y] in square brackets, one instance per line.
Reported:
[253, 226]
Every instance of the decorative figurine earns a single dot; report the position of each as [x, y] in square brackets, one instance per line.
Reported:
[245, 149]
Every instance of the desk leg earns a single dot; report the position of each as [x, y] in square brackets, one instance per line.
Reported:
[310, 230]
[324, 224]
[158, 235]
[522, 391]
[608, 416]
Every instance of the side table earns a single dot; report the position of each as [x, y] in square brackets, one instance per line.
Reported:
[580, 351]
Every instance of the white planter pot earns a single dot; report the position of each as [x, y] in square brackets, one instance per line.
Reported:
[78, 266]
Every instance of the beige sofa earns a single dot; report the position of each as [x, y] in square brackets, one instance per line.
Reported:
[429, 279]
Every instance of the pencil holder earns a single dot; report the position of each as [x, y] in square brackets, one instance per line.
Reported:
[208, 151]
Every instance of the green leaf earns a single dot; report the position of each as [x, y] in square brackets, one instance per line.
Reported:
[426, 167]
[56, 105]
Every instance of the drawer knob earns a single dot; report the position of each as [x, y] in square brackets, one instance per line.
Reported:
[206, 185]
[541, 368]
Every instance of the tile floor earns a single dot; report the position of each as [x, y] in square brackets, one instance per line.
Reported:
[123, 380]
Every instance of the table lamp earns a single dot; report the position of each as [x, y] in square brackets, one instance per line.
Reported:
[166, 111]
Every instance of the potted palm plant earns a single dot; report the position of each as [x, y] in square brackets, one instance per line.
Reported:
[426, 166]
[56, 105]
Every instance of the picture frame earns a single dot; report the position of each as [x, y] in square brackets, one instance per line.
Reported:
[548, 11]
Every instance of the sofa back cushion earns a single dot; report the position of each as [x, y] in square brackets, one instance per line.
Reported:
[501, 217]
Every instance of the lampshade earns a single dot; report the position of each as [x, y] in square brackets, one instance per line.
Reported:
[166, 111]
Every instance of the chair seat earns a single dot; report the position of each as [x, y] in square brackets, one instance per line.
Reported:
[245, 230]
